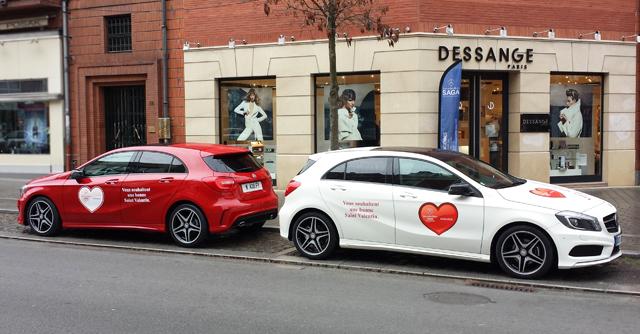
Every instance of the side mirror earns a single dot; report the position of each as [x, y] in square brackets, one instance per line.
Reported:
[77, 174]
[462, 189]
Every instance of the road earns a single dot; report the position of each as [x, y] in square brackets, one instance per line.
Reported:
[50, 288]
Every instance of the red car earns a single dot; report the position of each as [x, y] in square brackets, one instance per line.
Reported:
[189, 190]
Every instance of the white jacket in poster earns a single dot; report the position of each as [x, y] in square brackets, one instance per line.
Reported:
[572, 127]
[253, 115]
[348, 125]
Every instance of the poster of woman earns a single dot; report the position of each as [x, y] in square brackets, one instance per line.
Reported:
[571, 111]
[250, 114]
[357, 123]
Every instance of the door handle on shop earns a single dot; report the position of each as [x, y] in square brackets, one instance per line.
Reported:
[407, 195]
[166, 180]
[112, 181]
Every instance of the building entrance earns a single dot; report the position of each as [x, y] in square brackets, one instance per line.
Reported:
[125, 117]
[483, 118]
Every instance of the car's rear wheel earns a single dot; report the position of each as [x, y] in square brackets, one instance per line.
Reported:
[524, 251]
[188, 226]
[315, 236]
[42, 216]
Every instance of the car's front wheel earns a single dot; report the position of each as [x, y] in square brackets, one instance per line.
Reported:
[524, 251]
[188, 226]
[42, 216]
[315, 236]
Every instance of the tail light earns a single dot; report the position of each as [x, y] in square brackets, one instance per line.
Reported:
[293, 185]
[220, 183]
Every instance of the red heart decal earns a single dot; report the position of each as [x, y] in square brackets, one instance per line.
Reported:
[544, 192]
[438, 219]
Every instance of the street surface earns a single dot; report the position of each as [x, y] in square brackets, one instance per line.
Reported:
[50, 288]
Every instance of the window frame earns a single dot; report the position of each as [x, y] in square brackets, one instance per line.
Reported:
[107, 45]
[396, 174]
[388, 171]
[138, 157]
[130, 164]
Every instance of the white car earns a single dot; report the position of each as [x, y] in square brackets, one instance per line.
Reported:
[443, 203]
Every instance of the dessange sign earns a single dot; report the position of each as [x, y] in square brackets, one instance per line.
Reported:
[514, 58]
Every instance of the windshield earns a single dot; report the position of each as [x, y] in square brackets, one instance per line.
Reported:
[478, 170]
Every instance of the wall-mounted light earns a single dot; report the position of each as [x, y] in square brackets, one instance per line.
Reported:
[448, 29]
[551, 34]
[502, 31]
[35, 40]
[596, 35]
[244, 42]
[232, 43]
[281, 39]
[624, 38]
[407, 29]
[186, 46]
[292, 38]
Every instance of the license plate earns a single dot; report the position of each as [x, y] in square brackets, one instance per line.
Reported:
[617, 240]
[253, 186]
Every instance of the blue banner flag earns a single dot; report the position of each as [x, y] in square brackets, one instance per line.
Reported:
[449, 105]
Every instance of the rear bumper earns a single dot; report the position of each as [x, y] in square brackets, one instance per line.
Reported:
[228, 213]
[256, 218]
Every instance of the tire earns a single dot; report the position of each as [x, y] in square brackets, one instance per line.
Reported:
[43, 217]
[255, 228]
[188, 226]
[524, 251]
[315, 235]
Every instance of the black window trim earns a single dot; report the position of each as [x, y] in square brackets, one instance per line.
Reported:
[134, 165]
[388, 176]
[396, 174]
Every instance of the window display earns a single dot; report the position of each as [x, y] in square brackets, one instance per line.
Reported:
[247, 117]
[575, 127]
[24, 128]
[358, 114]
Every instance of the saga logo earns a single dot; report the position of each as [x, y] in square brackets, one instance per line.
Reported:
[451, 89]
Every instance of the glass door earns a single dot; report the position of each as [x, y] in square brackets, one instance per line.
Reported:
[483, 117]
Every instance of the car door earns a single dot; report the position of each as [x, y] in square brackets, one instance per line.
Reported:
[148, 189]
[358, 193]
[96, 198]
[427, 216]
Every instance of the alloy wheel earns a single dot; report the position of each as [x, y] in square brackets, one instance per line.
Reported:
[523, 252]
[41, 216]
[186, 226]
[313, 236]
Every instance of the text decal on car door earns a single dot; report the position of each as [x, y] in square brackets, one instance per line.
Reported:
[438, 219]
[91, 199]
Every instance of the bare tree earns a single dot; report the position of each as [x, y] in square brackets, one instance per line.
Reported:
[329, 16]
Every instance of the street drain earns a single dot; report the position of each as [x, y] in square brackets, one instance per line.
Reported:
[510, 287]
[457, 298]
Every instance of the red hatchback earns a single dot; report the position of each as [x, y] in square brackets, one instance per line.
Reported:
[189, 190]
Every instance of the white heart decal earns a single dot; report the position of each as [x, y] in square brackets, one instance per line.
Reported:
[91, 198]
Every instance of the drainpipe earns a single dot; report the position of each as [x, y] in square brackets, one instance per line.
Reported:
[65, 85]
[164, 125]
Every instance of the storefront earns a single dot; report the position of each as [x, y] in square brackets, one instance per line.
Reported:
[559, 111]
[31, 106]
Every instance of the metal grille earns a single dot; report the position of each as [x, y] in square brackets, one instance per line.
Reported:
[118, 33]
[611, 223]
[125, 118]
[23, 86]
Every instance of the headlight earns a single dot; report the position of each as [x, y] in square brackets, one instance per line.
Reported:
[578, 221]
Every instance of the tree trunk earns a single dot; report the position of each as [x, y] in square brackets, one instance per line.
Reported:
[333, 95]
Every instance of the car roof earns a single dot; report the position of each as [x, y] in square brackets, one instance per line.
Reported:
[428, 151]
[214, 149]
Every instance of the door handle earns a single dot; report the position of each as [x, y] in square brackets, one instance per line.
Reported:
[166, 180]
[337, 188]
[408, 195]
[112, 181]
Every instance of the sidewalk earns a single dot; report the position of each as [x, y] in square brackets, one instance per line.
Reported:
[625, 199]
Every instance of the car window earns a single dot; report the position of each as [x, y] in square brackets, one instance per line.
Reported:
[336, 173]
[233, 163]
[154, 162]
[423, 174]
[367, 170]
[111, 164]
[177, 166]
[306, 166]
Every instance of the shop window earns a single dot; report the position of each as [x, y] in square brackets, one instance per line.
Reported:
[358, 115]
[118, 33]
[575, 127]
[23, 86]
[247, 117]
[24, 128]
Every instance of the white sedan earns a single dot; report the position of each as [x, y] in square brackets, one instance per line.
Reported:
[443, 203]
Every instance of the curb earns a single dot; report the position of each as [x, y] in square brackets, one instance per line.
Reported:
[336, 266]
[2, 210]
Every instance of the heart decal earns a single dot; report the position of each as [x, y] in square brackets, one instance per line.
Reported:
[544, 192]
[438, 219]
[91, 199]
